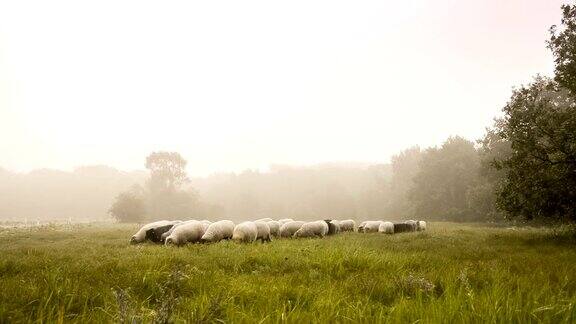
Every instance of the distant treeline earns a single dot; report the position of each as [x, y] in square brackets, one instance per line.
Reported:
[436, 183]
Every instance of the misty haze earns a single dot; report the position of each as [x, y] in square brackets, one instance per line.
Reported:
[299, 162]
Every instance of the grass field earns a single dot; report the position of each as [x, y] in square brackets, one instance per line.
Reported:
[451, 273]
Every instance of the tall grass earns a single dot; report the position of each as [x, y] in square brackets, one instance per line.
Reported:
[451, 273]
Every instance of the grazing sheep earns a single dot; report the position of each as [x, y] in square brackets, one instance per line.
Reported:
[333, 226]
[421, 225]
[413, 223]
[361, 227]
[155, 234]
[263, 232]
[190, 231]
[386, 228]
[347, 225]
[166, 234]
[404, 227]
[219, 230]
[245, 232]
[284, 221]
[140, 236]
[289, 228]
[267, 219]
[372, 226]
[274, 228]
[312, 229]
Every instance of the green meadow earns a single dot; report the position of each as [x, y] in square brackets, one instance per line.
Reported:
[452, 273]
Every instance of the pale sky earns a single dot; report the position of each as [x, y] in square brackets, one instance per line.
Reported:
[244, 84]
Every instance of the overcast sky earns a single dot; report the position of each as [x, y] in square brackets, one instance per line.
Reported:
[243, 84]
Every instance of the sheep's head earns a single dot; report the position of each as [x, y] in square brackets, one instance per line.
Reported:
[133, 240]
[169, 241]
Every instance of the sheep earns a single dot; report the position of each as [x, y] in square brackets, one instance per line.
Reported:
[190, 231]
[217, 231]
[361, 227]
[372, 226]
[333, 226]
[167, 233]
[312, 229]
[140, 236]
[245, 232]
[284, 221]
[403, 227]
[421, 225]
[267, 219]
[156, 234]
[263, 232]
[386, 228]
[414, 224]
[274, 228]
[289, 228]
[347, 225]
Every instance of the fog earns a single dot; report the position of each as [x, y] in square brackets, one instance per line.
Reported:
[314, 99]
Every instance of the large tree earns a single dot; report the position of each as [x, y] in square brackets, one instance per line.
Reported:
[563, 45]
[540, 124]
[537, 170]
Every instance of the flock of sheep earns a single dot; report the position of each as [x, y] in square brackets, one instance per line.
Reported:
[192, 231]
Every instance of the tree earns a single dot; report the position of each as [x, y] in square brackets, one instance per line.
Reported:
[165, 198]
[482, 197]
[540, 124]
[167, 171]
[532, 148]
[128, 207]
[445, 176]
[405, 166]
[562, 43]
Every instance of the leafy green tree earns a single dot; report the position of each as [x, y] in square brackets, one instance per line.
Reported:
[563, 45]
[540, 124]
[532, 148]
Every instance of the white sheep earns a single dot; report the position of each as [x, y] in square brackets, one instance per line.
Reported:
[421, 225]
[312, 229]
[413, 224]
[285, 220]
[372, 226]
[263, 231]
[140, 236]
[347, 225]
[274, 228]
[245, 232]
[386, 228]
[288, 229]
[333, 226]
[361, 227]
[166, 234]
[190, 231]
[267, 219]
[219, 230]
